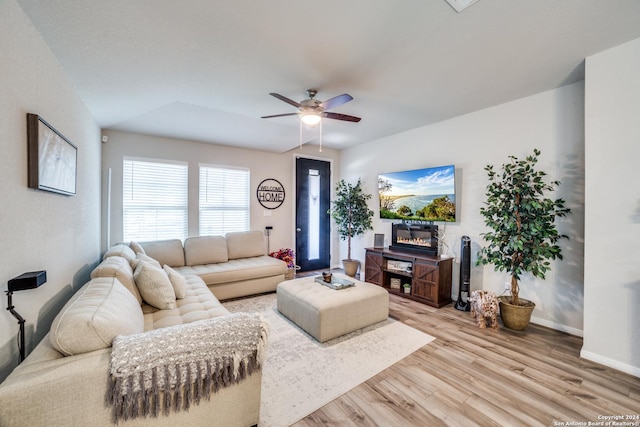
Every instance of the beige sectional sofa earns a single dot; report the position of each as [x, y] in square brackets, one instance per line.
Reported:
[234, 265]
[65, 379]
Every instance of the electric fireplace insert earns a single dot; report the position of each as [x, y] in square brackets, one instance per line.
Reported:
[415, 237]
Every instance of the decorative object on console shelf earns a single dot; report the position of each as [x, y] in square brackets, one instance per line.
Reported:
[405, 266]
[352, 216]
[30, 280]
[394, 283]
[406, 287]
[52, 158]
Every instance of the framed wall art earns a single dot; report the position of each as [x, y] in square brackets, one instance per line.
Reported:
[52, 158]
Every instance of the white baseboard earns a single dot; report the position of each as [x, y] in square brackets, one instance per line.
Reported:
[611, 363]
[557, 326]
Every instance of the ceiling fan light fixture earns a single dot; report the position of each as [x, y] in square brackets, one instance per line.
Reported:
[310, 119]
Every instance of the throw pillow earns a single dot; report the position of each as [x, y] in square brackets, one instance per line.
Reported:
[136, 247]
[101, 310]
[118, 267]
[178, 281]
[154, 286]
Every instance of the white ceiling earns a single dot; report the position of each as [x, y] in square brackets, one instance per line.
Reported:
[202, 70]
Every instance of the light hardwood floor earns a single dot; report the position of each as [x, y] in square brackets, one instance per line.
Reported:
[470, 376]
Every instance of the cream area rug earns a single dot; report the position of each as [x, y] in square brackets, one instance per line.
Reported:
[300, 375]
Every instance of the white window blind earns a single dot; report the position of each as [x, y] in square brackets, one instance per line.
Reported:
[224, 200]
[154, 200]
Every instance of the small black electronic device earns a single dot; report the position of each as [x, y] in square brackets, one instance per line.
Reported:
[30, 280]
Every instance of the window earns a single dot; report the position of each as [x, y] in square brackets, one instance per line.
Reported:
[224, 200]
[154, 200]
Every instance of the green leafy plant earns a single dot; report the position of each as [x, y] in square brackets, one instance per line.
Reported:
[351, 212]
[524, 237]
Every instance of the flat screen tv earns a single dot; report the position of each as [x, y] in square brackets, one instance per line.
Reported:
[427, 194]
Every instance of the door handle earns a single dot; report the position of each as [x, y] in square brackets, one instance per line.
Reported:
[298, 229]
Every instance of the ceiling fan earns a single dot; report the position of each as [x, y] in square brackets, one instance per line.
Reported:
[312, 110]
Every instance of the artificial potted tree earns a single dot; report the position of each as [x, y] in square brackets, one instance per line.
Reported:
[523, 236]
[352, 216]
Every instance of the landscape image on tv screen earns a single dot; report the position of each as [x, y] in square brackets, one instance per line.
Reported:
[422, 194]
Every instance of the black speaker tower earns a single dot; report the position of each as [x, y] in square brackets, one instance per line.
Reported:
[465, 275]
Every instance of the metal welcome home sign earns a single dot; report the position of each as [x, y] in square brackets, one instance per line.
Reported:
[270, 193]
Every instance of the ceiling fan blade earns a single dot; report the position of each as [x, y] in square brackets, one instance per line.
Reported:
[279, 115]
[338, 116]
[285, 99]
[335, 101]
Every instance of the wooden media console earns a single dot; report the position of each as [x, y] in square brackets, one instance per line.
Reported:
[429, 276]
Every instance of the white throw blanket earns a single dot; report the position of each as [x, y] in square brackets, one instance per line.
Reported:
[173, 367]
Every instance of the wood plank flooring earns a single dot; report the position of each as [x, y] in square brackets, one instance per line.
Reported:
[483, 377]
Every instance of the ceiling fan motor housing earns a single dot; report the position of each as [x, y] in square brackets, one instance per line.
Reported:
[310, 104]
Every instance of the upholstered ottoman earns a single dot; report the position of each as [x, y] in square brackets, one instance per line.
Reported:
[326, 313]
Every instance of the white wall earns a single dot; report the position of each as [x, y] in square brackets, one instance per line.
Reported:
[612, 222]
[552, 121]
[41, 230]
[262, 165]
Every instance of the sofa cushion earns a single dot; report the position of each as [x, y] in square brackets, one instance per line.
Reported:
[198, 304]
[168, 252]
[245, 244]
[118, 267]
[237, 270]
[178, 281]
[205, 250]
[154, 285]
[120, 250]
[94, 316]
